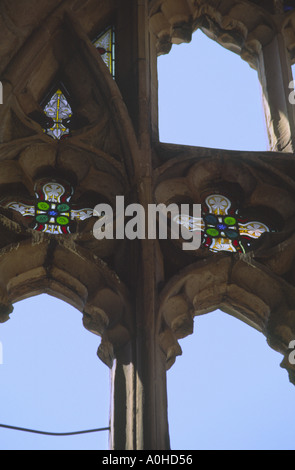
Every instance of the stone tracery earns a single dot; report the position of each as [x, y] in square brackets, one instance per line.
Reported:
[142, 303]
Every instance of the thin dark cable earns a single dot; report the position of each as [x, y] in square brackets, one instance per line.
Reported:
[15, 428]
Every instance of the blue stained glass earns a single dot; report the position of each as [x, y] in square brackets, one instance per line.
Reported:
[289, 5]
[221, 226]
[211, 219]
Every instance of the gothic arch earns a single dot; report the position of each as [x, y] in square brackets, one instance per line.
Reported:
[200, 282]
[241, 26]
[116, 151]
[99, 161]
[263, 35]
[46, 346]
[248, 180]
[19, 21]
[92, 288]
[98, 102]
[247, 291]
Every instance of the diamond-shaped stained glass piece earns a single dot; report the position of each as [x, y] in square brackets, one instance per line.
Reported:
[58, 109]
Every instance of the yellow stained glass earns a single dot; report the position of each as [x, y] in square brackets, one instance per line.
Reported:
[223, 230]
[58, 110]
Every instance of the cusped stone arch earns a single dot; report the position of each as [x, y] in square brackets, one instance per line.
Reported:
[93, 177]
[99, 160]
[244, 289]
[248, 181]
[64, 270]
[241, 26]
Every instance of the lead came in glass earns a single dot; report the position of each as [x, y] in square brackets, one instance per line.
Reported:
[222, 227]
[52, 211]
[105, 44]
[58, 109]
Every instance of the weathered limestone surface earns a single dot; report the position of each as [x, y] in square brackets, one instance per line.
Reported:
[141, 297]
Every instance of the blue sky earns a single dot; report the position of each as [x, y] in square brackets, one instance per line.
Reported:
[227, 390]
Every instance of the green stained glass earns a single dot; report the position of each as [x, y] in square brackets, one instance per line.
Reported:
[62, 220]
[53, 211]
[213, 232]
[230, 221]
[105, 44]
[63, 208]
[222, 226]
[42, 219]
[43, 206]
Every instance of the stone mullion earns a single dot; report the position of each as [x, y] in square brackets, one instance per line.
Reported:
[151, 393]
[275, 75]
[139, 397]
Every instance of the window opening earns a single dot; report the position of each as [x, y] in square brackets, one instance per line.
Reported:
[210, 97]
[105, 44]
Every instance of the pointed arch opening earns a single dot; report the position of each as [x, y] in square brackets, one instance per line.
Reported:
[210, 97]
[233, 394]
[234, 386]
[51, 378]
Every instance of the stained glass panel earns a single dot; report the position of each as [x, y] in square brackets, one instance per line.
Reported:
[58, 110]
[288, 5]
[52, 211]
[105, 44]
[223, 227]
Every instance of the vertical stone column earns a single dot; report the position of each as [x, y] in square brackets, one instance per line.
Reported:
[152, 425]
[139, 418]
[275, 75]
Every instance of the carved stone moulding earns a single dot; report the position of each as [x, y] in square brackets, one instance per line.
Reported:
[239, 25]
[64, 270]
[93, 177]
[84, 168]
[249, 292]
[19, 20]
[251, 184]
[256, 286]
[289, 34]
[57, 58]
